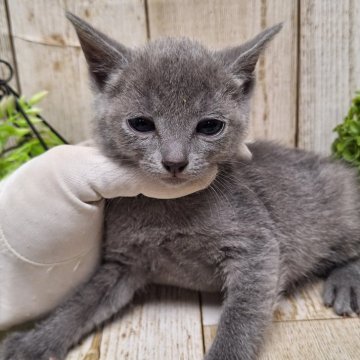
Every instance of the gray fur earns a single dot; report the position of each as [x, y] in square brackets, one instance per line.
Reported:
[260, 229]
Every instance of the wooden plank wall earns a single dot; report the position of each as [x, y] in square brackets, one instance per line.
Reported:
[329, 72]
[305, 80]
[49, 55]
[6, 51]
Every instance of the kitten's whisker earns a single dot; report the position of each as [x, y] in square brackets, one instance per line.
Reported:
[225, 197]
[216, 198]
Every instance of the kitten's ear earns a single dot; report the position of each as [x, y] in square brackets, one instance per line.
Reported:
[102, 54]
[241, 60]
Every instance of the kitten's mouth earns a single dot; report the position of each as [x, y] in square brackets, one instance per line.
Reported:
[174, 180]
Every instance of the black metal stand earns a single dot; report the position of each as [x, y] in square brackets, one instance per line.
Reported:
[6, 89]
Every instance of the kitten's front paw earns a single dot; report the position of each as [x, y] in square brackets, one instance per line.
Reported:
[24, 346]
[342, 290]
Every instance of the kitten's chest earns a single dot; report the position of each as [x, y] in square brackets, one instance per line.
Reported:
[147, 221]
[178, 240]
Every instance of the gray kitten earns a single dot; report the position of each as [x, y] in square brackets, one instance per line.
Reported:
[175, 111]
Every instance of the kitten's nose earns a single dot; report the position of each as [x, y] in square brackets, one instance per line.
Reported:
[175, 167]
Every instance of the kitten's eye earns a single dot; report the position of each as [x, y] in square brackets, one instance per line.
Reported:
[209, 126]
[141, 124]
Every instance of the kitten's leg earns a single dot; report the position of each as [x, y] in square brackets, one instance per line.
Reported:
[251, 290]
[110, 289]
[342, 289]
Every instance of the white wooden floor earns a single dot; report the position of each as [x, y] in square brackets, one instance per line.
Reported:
[172, 324]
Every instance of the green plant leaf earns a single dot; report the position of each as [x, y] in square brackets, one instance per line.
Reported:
[347, 144]
[37, 97]
[18, 143]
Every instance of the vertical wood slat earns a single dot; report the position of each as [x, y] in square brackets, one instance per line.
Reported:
[164, 323]
[223, 23]
[49, 56]
[329, 68]
[6, 51]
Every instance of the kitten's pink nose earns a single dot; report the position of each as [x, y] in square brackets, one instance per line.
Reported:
[175, 167]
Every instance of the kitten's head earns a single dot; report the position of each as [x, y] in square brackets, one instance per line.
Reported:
[173, 108]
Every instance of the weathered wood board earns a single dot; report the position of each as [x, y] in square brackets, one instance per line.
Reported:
[162, 323]
[49, 56]
[302, 329]
[305, 304]
[6, 51]
[329, 70]
[335, 339]
[165, 323]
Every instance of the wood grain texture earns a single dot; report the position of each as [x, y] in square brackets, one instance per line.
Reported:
[329, 68]
[223, 23]
[86, 350]
[305, 304]
[163, 324]
[335, 339]
[49, 56]
[209, 332]
[6, 52]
